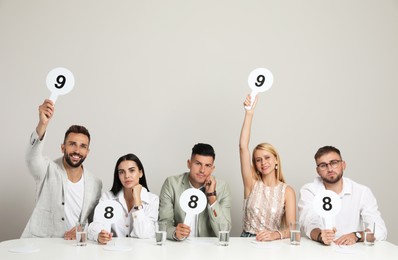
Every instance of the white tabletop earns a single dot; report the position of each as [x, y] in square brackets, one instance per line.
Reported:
[200, 248]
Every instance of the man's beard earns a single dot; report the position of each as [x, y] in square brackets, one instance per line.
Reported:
[70, 162]
[333, 181]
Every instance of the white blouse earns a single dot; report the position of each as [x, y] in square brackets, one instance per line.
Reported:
[136, 223]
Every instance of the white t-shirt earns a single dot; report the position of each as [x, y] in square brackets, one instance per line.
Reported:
[74, 194]
[195, 218]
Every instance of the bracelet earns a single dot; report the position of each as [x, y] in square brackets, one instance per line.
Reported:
[280, 234]
[137, 207]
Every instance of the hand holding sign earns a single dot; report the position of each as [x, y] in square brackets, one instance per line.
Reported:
[108, 212]
[327, 204]
[192, 201]
[259, 80]
[60, 81]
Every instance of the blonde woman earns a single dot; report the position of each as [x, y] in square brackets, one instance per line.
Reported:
[269, 203]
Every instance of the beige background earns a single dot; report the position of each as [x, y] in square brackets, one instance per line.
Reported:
[156, 77]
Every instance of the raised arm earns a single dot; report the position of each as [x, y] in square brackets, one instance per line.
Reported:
[46, 111]
[37, 163]
[245, 160]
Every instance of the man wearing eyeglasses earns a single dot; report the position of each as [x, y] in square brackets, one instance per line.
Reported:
[358, 205]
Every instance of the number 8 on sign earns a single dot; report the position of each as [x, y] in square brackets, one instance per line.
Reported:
[327, 204]
[192, 201]
[108, 212]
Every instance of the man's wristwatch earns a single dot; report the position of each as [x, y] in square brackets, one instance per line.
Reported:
[358, 236]
[214, 193]
[319, 238]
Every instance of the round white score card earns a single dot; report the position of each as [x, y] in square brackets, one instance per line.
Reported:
[108, 212]
[327, 204]
[60, 81]
[259, 80]
[192, 201]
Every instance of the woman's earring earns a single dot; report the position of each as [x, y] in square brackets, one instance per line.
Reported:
[276, 167]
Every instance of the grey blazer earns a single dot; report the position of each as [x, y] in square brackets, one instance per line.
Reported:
[171, 211]
[48, 217]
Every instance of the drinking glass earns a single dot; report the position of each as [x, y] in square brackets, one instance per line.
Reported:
[295, 235]
[160, 232]
[369, 233]
[81, 233]
[223, 233]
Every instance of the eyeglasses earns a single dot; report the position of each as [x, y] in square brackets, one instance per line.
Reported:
[333, 163]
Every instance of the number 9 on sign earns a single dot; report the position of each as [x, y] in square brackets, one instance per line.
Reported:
[60, 81]
[259, 80]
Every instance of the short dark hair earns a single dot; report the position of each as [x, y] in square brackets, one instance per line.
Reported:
[203, 149]
[117, 184]
[78, 129]
[325, 150]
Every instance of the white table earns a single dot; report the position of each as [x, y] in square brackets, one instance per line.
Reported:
[201, 248]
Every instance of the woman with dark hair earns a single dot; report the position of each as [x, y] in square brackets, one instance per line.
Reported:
[140, 207]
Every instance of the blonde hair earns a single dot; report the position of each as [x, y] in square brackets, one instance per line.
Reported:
[269, 148]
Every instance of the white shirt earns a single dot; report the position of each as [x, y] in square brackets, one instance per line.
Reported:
[136, 223]
[74, 195]
[357, 205]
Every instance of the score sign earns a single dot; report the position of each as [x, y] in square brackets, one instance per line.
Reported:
[108, 212]
[60, 81]
[259, 80]
[327, 204]
[192, 201]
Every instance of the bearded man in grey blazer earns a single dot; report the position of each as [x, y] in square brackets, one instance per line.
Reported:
[218, 209]
[66, 192]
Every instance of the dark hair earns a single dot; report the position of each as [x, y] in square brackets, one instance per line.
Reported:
[117, 185]
[203, 149]
[78, 129]
[325, 150]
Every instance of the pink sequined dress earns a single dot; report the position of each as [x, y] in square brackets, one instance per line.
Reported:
[264, 208]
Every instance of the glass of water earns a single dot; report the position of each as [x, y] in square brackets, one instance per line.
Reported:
[81, 233]
[223, 233]
[369, 233]
[160, 232]
[295, 235]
